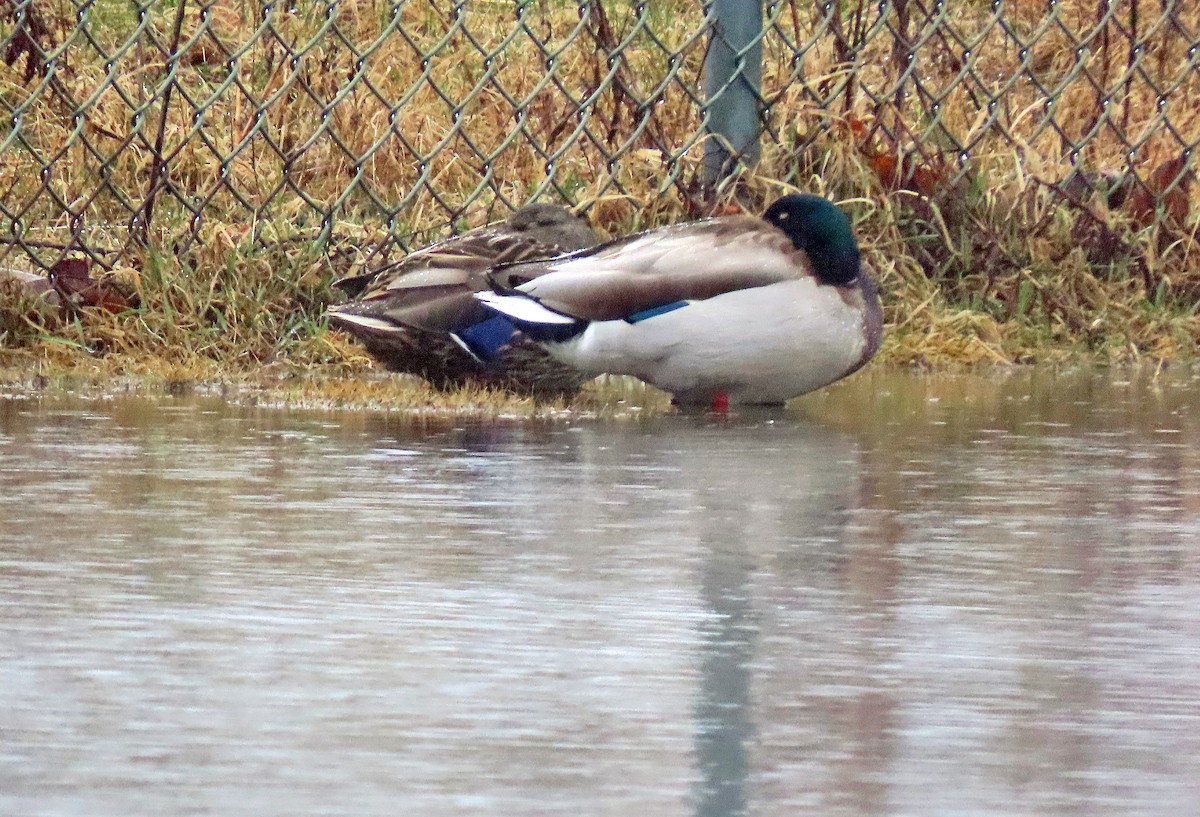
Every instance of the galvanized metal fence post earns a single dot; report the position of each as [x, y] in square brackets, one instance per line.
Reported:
[732, 79]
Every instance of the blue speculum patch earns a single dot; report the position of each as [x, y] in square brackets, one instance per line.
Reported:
[655, 311]
[487, 338]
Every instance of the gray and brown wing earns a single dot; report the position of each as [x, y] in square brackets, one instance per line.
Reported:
[642, 272]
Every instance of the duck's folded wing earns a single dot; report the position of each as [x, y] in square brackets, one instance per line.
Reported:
[431, 289]
[462, 261]
[689, 262]
[432, 309]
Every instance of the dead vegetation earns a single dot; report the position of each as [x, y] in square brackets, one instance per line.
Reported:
[1020, 198]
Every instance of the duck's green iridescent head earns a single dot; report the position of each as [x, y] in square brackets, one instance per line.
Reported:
[818, 227]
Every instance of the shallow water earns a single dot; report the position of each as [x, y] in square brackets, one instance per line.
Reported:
[926, 595]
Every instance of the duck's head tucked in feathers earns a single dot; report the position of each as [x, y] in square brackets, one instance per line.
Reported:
[816, 226]
[551, 225]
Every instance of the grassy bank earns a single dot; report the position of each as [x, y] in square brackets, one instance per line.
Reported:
[1012, 252]
[351, 384]
[253, 319]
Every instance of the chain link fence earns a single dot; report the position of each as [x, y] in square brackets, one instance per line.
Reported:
[135, 124]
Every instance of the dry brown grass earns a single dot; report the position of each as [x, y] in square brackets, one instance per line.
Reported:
[981, 258]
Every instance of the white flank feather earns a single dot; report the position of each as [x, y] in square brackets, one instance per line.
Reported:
[759, 345]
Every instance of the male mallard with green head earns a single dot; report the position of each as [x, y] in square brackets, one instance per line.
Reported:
[406, 313]
[733, 309]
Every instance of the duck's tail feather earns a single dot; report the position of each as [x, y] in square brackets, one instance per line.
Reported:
[358, 324]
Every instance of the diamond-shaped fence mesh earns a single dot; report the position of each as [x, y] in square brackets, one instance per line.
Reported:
[129, 124]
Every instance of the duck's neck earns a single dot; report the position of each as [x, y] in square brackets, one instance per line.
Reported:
[837, 265]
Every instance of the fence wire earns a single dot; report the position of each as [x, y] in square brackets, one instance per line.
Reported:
[135, 124]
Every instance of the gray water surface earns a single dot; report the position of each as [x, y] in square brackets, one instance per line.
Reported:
[912, 595]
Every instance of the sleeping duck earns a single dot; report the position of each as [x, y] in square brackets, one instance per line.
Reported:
[733, 309]
[405, 313]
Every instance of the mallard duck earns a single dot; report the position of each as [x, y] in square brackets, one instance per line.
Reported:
[733, 309]
[407, 313]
